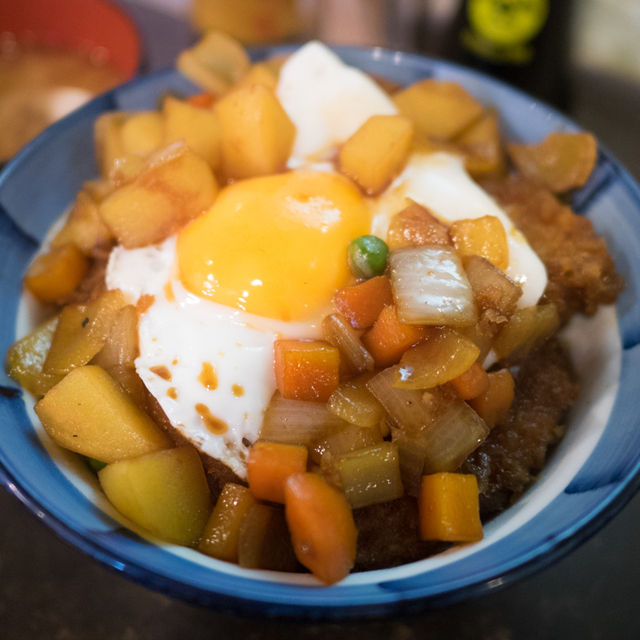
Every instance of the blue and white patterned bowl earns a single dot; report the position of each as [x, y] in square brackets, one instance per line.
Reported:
[593, 473]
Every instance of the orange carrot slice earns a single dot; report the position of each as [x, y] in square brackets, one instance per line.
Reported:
[306, 370]
[389, 338]
[269, 465]
[362, 303]
[202, 100]
[321, 525]
[472, 383]
[494, 404]
[449, 508]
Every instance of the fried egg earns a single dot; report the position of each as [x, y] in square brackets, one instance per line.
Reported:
[264, 262]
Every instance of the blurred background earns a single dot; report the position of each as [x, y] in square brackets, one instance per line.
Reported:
[582, 56]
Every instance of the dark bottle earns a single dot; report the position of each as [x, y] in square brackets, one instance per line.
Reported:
[523, 42]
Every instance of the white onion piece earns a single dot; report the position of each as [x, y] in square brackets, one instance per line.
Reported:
[298, 422]
[430, 286]
[445, 427]
[339, 332]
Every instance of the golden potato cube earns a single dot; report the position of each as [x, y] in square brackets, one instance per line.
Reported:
[257, 134]
[262, 74]
[142, 132]
[484, 237]
[484, 154]
[160, 200]
[90, 414]
[85, 228]
[26, 357]
[82, 331]
[377, 151]
[56, 274]
[562, 161]
[108, 140]
[441, 110]
[164, 492]
[216, 63]
[199, 128]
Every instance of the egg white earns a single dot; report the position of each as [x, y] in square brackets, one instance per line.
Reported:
[182, 332]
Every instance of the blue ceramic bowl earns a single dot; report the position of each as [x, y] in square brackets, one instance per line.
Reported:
[592, 474]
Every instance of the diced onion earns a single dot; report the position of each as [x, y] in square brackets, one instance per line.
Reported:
[352, 401]
[298, 422]
[339, 332]
[430, 286]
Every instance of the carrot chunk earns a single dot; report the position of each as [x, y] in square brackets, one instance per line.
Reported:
[270, 464]
[202, 100]
[494, 404]
[389, 338]
[472, 383]
[321, 525]
[306, 370]
[362, 303]
[449, 508]
[56, 274]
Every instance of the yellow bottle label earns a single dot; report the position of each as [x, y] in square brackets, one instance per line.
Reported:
[501, 30]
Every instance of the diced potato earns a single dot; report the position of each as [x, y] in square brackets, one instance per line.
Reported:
[353, 402]
[376, 152]
[216, 63]
[562, 161]
[484, 237]
[82, 331]
[442, 356]
[306, 370]
[528, 328]
[199, 128]
[415, 225]
[85, 228]
[371, 475]
[56, 274]
[165, 492]
[441, 110]
[161, 199]
[495, 294]
[221, 535]
[130, 382]
[262, 74]
[108, 140]
[88, 413]
[449, 508]
[257, 134]
[121, 346]
[484, 155]
[26, 357]
[253, 22]
[389, 338]
[142, 132]
[264, 541]
[493, 404]
[126, 168]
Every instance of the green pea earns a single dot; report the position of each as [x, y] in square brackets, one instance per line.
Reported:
[368, 256]
[96, 465]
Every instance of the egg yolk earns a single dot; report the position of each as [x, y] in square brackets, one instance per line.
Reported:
[274, 246]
